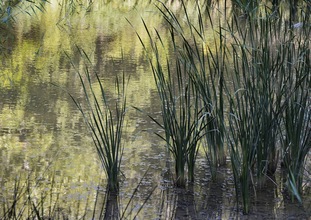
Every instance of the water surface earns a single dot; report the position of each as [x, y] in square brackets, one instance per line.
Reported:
[43, 137]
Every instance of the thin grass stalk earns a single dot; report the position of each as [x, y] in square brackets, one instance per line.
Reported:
[247, 8]
[23, 202]
[253, 113]
[131, 200]
[298, 136]
[266, 82]
[191, 120]
[211, 86]
[16, 208]
[241, 148]
[210, 83]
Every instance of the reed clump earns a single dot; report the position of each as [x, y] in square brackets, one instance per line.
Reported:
[251, 92]
[104, 119]
[204, 70]
[296, 119]
[249, 89]
[182, 117]
[207, 72]
[271, 69]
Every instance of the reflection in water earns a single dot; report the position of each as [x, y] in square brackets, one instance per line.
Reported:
[112, 207]
[43, 134]
[106, 205]
[265, 196]
[185, 205]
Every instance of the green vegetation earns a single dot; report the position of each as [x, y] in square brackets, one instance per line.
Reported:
[182, 118]
[105, 121]
[236, 86]
[269, 72]
[271, 67]
[296, 142]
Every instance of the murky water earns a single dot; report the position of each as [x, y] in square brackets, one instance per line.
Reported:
[43, 137]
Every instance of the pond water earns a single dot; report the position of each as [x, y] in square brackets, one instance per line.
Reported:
[45, 148]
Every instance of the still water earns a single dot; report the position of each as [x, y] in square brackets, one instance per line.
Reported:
[45, 146]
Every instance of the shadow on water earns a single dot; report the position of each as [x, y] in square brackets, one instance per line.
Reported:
[213, 199]
[265, 197]
[185, 206]
[121, 205]
[177, 203]
[112, 207]
[106, 204]
[207, 200]
[216, 200]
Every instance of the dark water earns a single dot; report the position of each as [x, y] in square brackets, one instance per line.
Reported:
[43, 137]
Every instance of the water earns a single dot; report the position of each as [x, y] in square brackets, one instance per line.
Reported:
[43, 137]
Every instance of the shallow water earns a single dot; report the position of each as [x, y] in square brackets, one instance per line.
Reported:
[43, 137]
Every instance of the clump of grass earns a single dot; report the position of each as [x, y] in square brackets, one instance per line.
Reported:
[297, 139]
[205, 66]
[253, 112]
[259, 85]
[296, 142]
[208, 67]
[182, 116]
[263, 85]
[105, 120]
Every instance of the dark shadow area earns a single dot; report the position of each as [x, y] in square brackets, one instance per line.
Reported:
[106, 205]
[185, 204]
[112, 207]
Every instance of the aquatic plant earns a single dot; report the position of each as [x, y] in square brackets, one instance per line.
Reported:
[205, 69]
[208, 68]
[263, 83]
[36, 198]
[258, 97]
[296, 138]
[253, 113]
[104, 120]
[182, 117]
